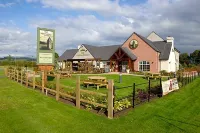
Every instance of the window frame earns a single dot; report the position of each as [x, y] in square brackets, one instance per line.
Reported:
[144, 66]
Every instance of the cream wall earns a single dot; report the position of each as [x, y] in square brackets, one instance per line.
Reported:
[164, 65]
[177, 60]
[83, 53]
[154, 37]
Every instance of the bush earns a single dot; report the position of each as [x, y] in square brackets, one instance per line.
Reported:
[120, 105]
[142, 94]
[156, 90]
[164, 73]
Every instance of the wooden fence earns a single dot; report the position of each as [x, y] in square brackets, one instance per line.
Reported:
[29, 80]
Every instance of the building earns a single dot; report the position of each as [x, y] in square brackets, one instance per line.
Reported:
[137, 53]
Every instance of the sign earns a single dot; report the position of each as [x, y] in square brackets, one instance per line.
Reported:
[45, 46]
[169, 86]
[45, 58]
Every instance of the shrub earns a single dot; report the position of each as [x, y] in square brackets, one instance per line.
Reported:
[120, 105]
[164, 73]
[142, 94]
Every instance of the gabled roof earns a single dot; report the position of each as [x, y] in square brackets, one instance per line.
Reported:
[103, 52]
[129, 53]
[68, 54]
[177, 50]
[164, 48]
[153, 36]
[150, 43]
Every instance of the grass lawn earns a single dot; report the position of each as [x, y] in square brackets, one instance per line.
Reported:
[127, 80]
[25, 110]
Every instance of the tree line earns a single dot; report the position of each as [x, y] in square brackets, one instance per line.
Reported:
[189, 60]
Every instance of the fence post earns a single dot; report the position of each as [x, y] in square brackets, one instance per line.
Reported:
[6, 71]
[33, 79]
[42, 81]
[133, 95]
[17, 75]
[26, 79]
[110, 99]
[14, 75]
[57, 87]
[114, 94]
[161, 86]
[149, 90]
[78, 102]
[21, 76]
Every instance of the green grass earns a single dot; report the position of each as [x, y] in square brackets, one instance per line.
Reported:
[127, 80]
[25, 110]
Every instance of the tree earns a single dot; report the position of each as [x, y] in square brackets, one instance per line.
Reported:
[184, 58]
[56, 60]
[56, 55]
[195, 57]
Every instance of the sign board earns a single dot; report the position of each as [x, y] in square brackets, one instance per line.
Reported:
[169, 86]
[45, 46]
[45, 58]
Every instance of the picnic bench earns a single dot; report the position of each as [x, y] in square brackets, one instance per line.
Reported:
[98, 81]
[149, 75]
[65, 73]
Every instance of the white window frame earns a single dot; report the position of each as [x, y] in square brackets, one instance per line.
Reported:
[146, 63]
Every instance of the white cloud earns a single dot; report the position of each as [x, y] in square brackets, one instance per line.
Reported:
[177, 18]
[16, 42]
[6, 5]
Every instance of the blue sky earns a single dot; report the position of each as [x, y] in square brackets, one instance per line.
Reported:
[103, 22]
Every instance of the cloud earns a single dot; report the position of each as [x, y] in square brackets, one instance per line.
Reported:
[6, 5]
[16, 42]
[177, 18]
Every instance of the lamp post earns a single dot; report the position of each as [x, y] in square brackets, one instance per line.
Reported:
[120, 77]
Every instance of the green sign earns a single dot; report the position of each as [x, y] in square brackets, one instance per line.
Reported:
[45, 46]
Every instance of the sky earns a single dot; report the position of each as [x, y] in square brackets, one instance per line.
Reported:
[96, 22]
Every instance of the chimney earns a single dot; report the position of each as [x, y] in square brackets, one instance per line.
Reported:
[170, 39]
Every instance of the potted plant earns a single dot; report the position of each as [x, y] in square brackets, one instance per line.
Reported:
[128, 69]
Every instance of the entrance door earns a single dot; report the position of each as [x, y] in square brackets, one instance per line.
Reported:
[122, 66]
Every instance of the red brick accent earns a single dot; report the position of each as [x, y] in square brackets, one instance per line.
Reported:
[144, 52]
[47, 68]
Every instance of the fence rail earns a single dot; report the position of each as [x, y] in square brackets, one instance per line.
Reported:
[29, 80]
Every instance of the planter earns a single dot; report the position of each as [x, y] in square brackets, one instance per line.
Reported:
[128, 70]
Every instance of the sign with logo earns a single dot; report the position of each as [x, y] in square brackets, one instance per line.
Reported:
[45, 58]
[169, 86]
[45, 46]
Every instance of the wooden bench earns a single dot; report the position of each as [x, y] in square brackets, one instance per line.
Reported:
[97, 83]
[152, 75]
[65, 74]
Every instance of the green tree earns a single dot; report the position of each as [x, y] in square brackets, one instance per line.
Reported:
[56, 55]
[56, 60]
[184, 59]
[195, 57]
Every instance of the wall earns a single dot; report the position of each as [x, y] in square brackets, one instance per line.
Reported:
[170, 64]
[144, 53]
[164, 65]
[154, 37]
[83, 53]
[177, 59]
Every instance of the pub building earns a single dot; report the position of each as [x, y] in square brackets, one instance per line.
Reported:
[137, 53]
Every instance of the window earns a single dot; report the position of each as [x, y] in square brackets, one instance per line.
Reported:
[144, 66]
